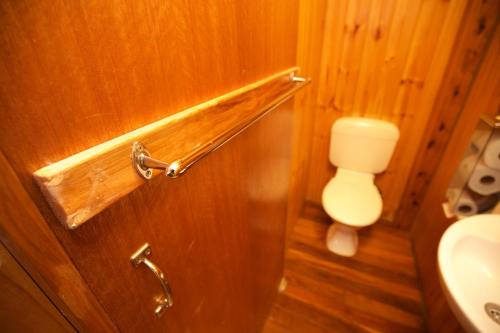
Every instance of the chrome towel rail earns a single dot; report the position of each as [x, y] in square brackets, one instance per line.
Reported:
[144, 163]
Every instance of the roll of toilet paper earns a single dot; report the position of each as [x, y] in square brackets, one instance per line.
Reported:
[484, 180]
[465, 205]
[491, 155]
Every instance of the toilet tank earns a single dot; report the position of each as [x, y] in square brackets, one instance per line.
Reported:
[362, 144]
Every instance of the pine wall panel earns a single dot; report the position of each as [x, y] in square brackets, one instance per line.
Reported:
[382, 59]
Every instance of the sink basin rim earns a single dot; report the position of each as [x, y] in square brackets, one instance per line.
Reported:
[485, 227]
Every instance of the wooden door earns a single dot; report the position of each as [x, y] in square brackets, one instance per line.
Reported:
[76, 74]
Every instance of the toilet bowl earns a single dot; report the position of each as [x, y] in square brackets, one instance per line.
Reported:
[360, 148]
[353, 201]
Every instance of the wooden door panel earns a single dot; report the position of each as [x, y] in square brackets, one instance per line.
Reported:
[75, 74]
[217, 233]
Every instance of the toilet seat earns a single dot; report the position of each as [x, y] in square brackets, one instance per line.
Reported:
[352, 199]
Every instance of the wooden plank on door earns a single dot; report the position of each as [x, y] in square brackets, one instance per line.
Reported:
[82, 185]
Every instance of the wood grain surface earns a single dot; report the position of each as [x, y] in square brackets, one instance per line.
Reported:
[381, 59]
[430, 223]
[82, 185]
[74, 74]
[217, 233]
[473, 39]
[309, 46]
[374, 291]
[23, 306]
[25, 233]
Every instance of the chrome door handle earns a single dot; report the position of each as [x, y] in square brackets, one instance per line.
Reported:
[166, 300]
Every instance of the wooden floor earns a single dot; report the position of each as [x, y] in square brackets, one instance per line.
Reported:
[374, 291]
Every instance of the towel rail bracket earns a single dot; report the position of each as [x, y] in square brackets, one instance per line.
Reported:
[144, 164]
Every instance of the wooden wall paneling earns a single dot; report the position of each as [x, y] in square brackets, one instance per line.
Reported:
[311, 27]
[383, 60]
[332, 46]
[476, 31]
[376, 44]
[82, 185]
[23, 306]
[430, 223]
[415, 104]
[25, 233]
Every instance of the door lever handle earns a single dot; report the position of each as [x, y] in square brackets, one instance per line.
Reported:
[166, 300]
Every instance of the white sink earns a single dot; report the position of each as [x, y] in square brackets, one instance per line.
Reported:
[469, 263]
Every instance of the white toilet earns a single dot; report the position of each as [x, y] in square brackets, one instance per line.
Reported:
[360, 148]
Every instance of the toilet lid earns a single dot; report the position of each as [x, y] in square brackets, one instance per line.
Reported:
[352, 199]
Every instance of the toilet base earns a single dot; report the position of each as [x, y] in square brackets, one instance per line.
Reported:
[342, 239]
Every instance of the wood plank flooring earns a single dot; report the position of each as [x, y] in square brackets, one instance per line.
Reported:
[374, 291]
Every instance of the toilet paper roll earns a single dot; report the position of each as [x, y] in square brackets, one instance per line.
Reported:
[491, 155]
[465, 205]
[484, 180]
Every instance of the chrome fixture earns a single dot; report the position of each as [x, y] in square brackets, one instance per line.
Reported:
[144, 163]
[166, 300]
